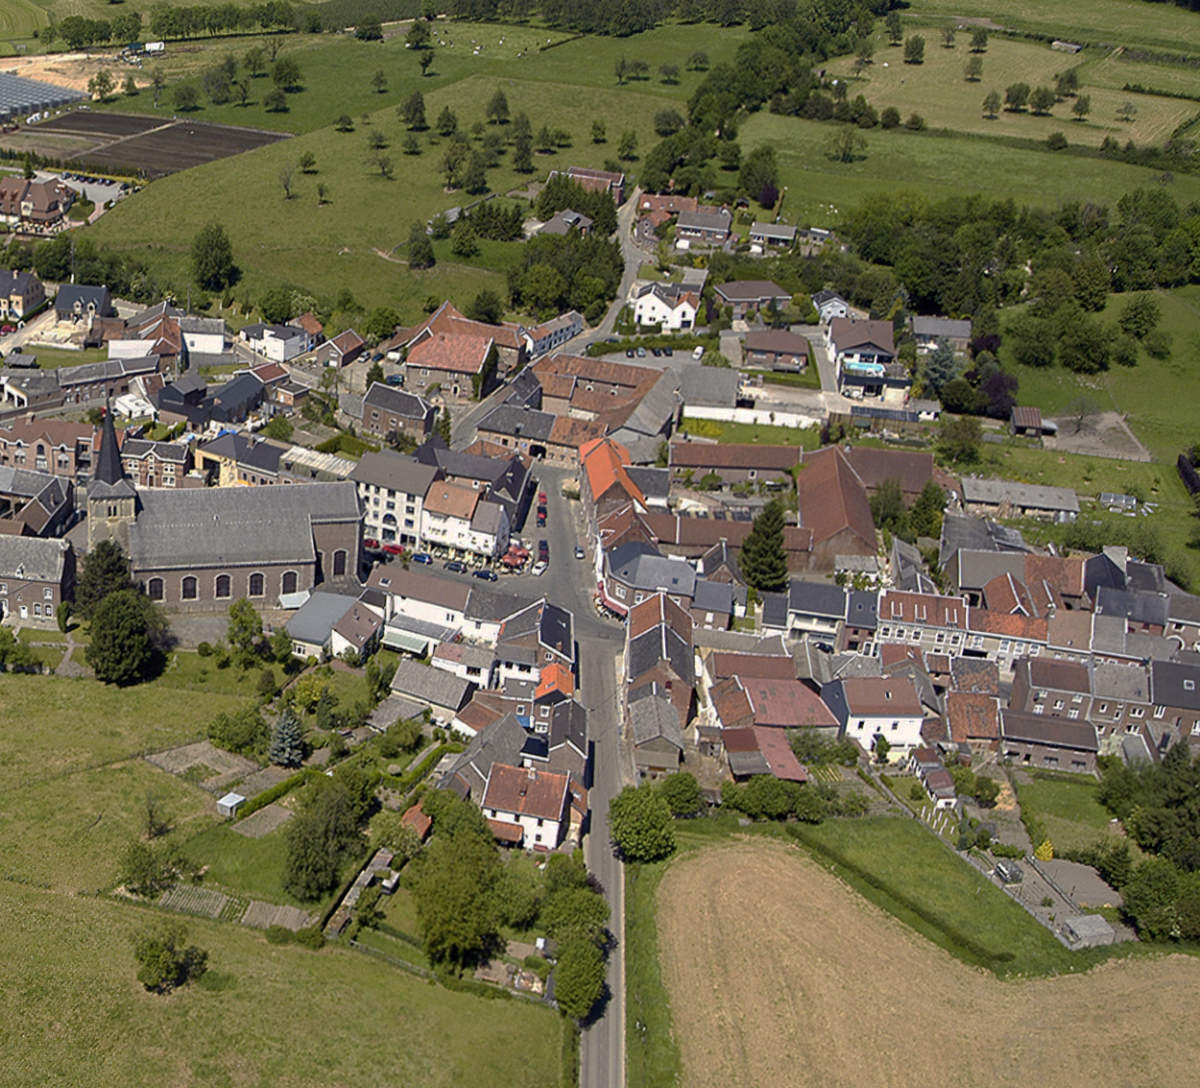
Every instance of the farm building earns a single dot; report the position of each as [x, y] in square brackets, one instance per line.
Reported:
[21, 97]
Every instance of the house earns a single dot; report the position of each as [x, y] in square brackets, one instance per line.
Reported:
[771, 702]
[1026, 419]
[459, 365]
[924, 621]
[444, 693]
[240, 458]
[80, 301]
[279, 343]
[864, 357]
[551, 335]
[715, 604]
[56, 446]
[973, 719]
[635, 571]
[566, 221]
[466, 661]
[776, 349]
[392, 489]
[36, 576]
[502, 741]
[833, 508]
[35, 503]
[311, 627]
[658, 650]
[533, 638]
[911, 469]
[21, 294]
[156, 464]
[1175, 693]
[1009, 499]
[815, 608]
[605, 484]
[418, 597]
[526, 807]
[733, 463]
[501, 479]
[460, 518]
[866, 707]
[597, 181]
[654, 210]
[237, 398]
[506, 339]
[34, 207]
[767, 235]
[389, 413]
[709, 387]
[931, 331]
[312, 327]
[203, 335]
[751, 296]
[705, 226]
[829, 304]
[1033, 740]
[653, 727]
[671, 306]
[342, 350]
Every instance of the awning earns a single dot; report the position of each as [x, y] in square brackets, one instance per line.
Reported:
[396, 639]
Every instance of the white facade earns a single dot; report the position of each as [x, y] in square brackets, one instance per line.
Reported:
[831, 308]
[390, 515]
[278, 348]
[449, 531]
[207, 343]
[129, 349]
[651, 309]
[479, 676]
[902, 733]
[425, 611]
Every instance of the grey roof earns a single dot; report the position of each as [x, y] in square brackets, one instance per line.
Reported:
[660, 643]
[34, 558]
[1038, 496]
[425, 683]
[714, 386]
[862, 608]
[500, 742]
[488, 517]
[908, 568]
[569, 725]
[656, 409]
[492, 605]
[979, 534]
[822, 297]
[654, 482]
[86, 295]
[226, 526]
[642, 566]
[165, 451]
[751, 291]
[719, 555]
[24, 482]
[525, 389]
[717, 597]
[1148, 577]
[107, 469]
[938, 327]
[816, 599]
[775, 610]
[1132, 604]
[773, 230]
[652, 717]
[189, 323]
[1048, 730]
[190, 382]
[21, 95]
[19, 358]
[470, 466]
[314, 621]
[977, 568]
[395, 472]
[246, 450]
[564, 221]
[1173, 684]
[518, 422]
[350, 404]
[1183, 608]
[396, 401]
[714, 221]
[1127, 683]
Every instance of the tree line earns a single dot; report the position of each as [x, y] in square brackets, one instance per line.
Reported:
[166, 21]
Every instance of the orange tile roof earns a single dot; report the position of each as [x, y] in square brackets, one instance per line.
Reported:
[1009, 626]
[605, 463]
[455, 353]
[451, 500]
[555, 677]
[525, 791]
[972, 717]
[416, 818]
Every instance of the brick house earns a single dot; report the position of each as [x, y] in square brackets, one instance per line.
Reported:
[389, 412]
[36, 575]
[1034, 740]
[156, 464]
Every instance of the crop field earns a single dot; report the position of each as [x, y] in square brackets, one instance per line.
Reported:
[263, 1014]
[825, 988]
[939, 92]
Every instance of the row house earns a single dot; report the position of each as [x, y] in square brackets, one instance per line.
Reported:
[534, 638]
[36, 576]
[461, 519]
[1034, 740]
[389, 413]
[1004, 637]
[870, 707]
[924, 620]
[392, 489]
[58, 447]
[156, 464]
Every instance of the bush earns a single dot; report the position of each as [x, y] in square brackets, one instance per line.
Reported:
[204, 649]
[164, 961]
[1003, 850]
[1056, 141]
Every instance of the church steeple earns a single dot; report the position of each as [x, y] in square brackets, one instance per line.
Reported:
[112, 499]
[108, 468]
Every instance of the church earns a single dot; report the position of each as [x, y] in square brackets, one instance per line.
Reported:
[199, 549]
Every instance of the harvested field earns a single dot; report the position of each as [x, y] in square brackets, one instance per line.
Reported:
[260, 915]
[825, 988]
[263, 822]
[220, 767]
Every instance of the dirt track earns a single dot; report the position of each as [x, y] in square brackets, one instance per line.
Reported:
[781, 975]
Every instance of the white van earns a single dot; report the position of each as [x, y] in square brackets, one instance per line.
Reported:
[698, 353]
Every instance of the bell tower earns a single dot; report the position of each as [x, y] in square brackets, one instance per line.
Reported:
[112, 499]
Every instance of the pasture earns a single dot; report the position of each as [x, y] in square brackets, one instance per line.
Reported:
[263, 1014]
[1067, 806]
[939, 92]
[824, 988]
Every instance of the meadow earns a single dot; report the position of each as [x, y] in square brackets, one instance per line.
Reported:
[1067, 806]
[264, 1014]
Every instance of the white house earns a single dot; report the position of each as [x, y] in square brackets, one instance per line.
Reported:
[457, 517]
[417, 595]
[544, 338]
[830, 305]
[867, 707]
[526, 807]
[466, 661]
[277, 342]
[206, 335]
[391, 490]
[669, 305]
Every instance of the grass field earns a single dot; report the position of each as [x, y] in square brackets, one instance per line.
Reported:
[1067, 806]
[824, 988]
[265, 1014]
[939, 92]
[1114, 22]
[1116, 69]
[53, 358]
[808, 437]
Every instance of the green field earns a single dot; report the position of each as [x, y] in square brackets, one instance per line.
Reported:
[939, 92]
[264, 1015]
[1114, 22]
[1067, 806]
[808, 437]
[53, 358]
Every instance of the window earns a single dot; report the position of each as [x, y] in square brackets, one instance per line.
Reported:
[1137, 712]
[520, 708]
[1159, 711]
[1072, 713]
[1077, 698]
[339, 562]
[1058, 704]
[289, 582]
[188, 588]
[223, 587]
[257, 585]
[47, 594]
[37, 609]
[154, 589]
[1102, 708]
[1189, 685]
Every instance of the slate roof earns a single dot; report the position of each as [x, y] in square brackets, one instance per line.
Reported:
[38, 559]
[709, 385]
[396, 402]
[518, 422]
[500, 742]
[1049, 731]
[1034, 496]
[317, 617]
[862, 609]
[715, 597]
[816, 599]
[427, 684]
[939, 327]
[653, 717]
[1133, 605]
[246, 450]
[1174, 684]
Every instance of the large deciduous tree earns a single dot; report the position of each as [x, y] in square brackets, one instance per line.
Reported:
[640, 824]
[128, 633]
[212, 258]
[319, 841]
[579, 979]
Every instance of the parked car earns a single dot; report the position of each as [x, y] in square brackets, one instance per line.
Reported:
[698, 352]
[454, 565]
[630, 353]
[641, 353]
[539, 568]
[668, 352]
[542, 498]
[543, 549]
[395, 379]
[579, 552]
[422, 557]
[377, 357]
[656, 352]
[371, 543]
[485, 575]
[393, 549]
[541, 519]
[6, 329]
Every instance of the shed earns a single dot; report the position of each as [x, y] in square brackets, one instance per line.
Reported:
[229, 804]
[1026, 419]
[1087, 931]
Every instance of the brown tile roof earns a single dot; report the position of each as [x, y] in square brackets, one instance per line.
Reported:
[270, 372]
[525, 791]
[347, 341]
[750, 291]
[358, 625]
[417, 819]
[689, 532]
[483, 710]
[506, 832]
[452, 353]
[910, 468]
[1063, 572]
[419, 585]
[656, 609]
[972, 717]
[1008, 625]
[309, 323]
[975, 674]
[56, 432]
[901, 606]
[1060, 675]
[832, 498]
[895, 653]
[724, 663]
[1024, 415]
[739, 740]
[779, 755]
[785, 703]
[670, 204]
[777, 342]
[1004, 593]
[1070, 630]
[730, 702]
[876, 696]
[714, 455]
[848, 334]
[569, 431]
[451, 500]
[1051, 732]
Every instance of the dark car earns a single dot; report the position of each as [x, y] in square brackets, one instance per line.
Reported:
[395, 379]
[630, 353]
[485, 575]
[656, 352]
[454, 565]
[541, 519]
[422, 557]
[668, 352]
[543, 549]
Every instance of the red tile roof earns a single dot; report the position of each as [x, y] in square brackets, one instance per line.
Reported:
[832, 498]
[910, 468]
[657, 609]
[779, 755]
[506, 832]
[525, 791]
[1029, 628]
[785, 703]
[555, 677]
[972, 717]
[901, 606]
[772, 666]
[452, 353]
[416, 818]
[451, 500]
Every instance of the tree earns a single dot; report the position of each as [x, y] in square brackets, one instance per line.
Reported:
[1127, 112]
[881, 746]
[523, 154]
[764, 562]
[425, 61]
[379, 81]
[164, 961]
[1041, 100]
[668, 122]
[959, 439]
[157, 82]
[443, 425]
[1140, 316]
[308, 163]
[914, 49]
[887, 507]
[455, 894]
[890, 118]
[105, 571]
[621, 70]
[411, 145]
[698, 61]
[486, 307]
[894, 30]
[1081, 107]
[986, 790]
[447, 122]
[973, 69]
[475, 177]
[101, 85]
[640, 823]
[186, 97]
[627, 147]
[599, 135]
[844, 144]
[285, 181]
[979, 40]
[669, 73]
[1150, 896]
[497, 108]
[286, 74]
[148, 871]
[412, 112]
[940, 366]
[418, 36]
[947, 37]
[287, 741]
[1016, 96]
[130, 87]
[759, 170]
[244, 631]
[275, 101]
[242, 86]
[319, 839]
[1082, 410]
[255, 60]
[579, 979]
[344, 123]
[576, 912]
[128, 631]
[420, 248]
[681, 791]
[925, 517]
[991, 105]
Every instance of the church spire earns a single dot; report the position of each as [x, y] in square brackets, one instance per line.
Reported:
[108, 462]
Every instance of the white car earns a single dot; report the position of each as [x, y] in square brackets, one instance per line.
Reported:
[539, 568]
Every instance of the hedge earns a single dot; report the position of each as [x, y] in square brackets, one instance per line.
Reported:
[277, 791]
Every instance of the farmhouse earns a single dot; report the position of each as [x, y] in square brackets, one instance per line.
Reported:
[388, 413]
[446, 321]
[669, 305]
[526, 807]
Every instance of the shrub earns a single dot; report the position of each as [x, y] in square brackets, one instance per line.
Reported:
[1056, 141]
[204, 649]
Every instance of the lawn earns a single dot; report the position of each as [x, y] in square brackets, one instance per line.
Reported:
[69, 832]
[264, 1014]
[1067, 806]
[187, 670]
[939, 92]
[68, 725]
[807, 437]
[53, 358]
[651, 1052]
[1114, 22]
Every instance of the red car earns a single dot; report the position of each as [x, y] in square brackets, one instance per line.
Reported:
[7, 329]
[542, 497]
[541, 519]
[393, 549]
[371, 543]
